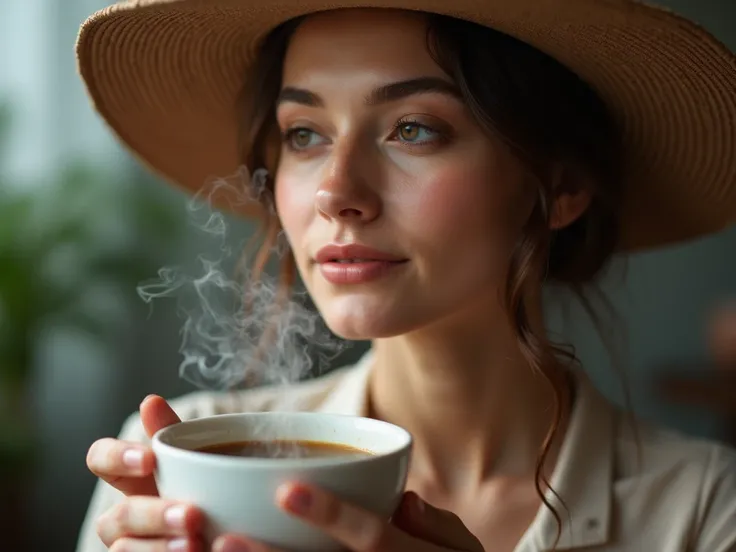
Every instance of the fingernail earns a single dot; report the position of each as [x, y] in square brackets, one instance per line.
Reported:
[299, 500]
[133, 458]
[175, 516]
[178, 545]
[147, 397]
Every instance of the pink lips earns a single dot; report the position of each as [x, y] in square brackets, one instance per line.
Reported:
[355, 264]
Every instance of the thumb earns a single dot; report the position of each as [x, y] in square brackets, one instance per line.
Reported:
[441, 527]
[156, 414]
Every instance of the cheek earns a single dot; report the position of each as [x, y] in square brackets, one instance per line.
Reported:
[295, 208]
[460, 210]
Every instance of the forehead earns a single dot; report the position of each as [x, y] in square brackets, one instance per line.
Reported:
[389, 43]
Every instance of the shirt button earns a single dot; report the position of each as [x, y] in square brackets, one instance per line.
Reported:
[590, 531]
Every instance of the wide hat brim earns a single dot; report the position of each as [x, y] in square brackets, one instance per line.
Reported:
[167, 75]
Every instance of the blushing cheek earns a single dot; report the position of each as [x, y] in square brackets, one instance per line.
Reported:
[295, 209]
[448, 205]
[458, 215]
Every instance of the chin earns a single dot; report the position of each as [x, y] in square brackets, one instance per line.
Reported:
[361, 321]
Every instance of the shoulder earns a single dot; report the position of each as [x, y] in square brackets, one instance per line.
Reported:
[692, 479]
[663, 449]
[306, 396]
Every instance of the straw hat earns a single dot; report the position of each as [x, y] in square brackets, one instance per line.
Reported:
[165, 75]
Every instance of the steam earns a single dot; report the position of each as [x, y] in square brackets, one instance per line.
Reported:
[238, 329]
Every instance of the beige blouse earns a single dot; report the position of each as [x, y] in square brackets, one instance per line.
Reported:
[681, 498]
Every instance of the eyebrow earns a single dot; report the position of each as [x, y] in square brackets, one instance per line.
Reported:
[381, 95]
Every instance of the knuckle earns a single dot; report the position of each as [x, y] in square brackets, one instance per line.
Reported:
[121, 515]
[111, 525]
[149, 517]
[135, 517]
[101, 526]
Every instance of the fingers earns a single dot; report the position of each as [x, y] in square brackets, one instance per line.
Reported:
[144, 517]
[157, 545]
[125, 465]
[128, 466]
[357, 529]
[112, 457]
[425, 522]
[156, 414]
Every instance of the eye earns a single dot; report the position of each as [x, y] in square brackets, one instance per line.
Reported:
[415, 133]
[301, 138]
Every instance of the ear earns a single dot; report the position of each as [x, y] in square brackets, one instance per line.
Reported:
[571, 198]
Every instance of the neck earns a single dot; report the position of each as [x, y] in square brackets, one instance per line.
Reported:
[472, 401]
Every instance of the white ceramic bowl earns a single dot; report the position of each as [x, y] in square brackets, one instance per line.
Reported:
[238, 494]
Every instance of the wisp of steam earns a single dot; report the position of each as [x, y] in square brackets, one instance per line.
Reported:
[235, 331]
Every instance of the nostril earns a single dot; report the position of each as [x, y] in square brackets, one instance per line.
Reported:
[350, 213]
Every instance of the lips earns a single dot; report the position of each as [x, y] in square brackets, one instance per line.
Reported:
[354, 253]
[356, 264]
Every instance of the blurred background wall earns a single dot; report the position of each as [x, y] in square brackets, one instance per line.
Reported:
[81, 224]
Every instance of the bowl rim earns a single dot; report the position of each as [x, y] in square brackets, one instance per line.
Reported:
[202, 458]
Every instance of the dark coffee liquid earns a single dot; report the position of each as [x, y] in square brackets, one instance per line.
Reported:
[284, 449]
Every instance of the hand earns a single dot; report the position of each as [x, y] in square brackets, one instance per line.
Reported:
[415, 527]
[142, 521]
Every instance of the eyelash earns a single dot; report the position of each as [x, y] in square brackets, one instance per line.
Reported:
[288, 134]
[442, 137]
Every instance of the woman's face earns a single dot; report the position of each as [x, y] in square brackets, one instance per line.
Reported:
[380, 154]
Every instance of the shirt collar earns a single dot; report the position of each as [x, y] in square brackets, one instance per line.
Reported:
[583, 476]
[350, 395]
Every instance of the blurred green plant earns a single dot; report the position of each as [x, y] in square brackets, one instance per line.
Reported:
[66, 246]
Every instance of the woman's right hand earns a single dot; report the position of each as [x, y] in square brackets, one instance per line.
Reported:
[142, 522]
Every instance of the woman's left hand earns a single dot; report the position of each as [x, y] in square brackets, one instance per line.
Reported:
[415, 527]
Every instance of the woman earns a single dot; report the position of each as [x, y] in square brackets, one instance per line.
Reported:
[432, 175]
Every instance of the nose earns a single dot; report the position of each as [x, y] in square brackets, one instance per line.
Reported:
[345, 194]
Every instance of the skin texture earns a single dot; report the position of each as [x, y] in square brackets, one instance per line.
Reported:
[404, 191]
[417, 178]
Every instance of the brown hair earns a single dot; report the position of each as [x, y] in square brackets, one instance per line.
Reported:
[550, 119]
